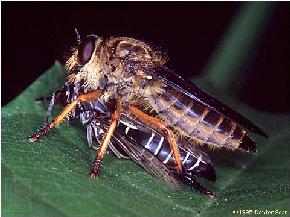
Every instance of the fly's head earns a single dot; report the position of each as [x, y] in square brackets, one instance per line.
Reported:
[86, 65]
[115, 65]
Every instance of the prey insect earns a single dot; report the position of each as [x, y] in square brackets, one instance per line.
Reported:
[130, 102]
[148, 148]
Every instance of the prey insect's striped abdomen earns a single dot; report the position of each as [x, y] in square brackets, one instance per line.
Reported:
[195, 120]
[194, 161]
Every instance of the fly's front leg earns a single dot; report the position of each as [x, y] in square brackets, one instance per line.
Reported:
[165, 129]
[105, 143]
[81, 98]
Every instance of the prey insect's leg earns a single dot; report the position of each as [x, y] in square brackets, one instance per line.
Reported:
[49, 109]
[165, 129]
[56, 96]
[105, 143]
[81, 98]
[195, 184]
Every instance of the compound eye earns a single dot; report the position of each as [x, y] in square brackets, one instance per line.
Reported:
[86, 49]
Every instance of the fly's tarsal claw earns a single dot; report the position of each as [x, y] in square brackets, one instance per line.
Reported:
[41, 132]
[96, 168]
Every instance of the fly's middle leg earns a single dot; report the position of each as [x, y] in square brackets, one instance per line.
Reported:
[160, 125]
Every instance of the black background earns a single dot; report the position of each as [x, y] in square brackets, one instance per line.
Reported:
[35, 34]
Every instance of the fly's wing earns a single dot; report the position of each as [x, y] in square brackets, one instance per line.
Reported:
[187, 88]
[146, 160]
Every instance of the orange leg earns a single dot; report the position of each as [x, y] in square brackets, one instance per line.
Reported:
[82, 98]
[108, 136]
[164, 128]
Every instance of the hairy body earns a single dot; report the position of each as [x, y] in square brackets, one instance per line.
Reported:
[124, 68]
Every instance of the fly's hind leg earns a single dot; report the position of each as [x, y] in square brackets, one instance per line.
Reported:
[102, 150]
[160, 125]
[81, 98]
[192, 182]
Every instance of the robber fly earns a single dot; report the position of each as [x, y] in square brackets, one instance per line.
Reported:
[118, 86]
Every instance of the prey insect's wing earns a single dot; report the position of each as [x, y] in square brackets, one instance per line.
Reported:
[173, 80]
[146, 160]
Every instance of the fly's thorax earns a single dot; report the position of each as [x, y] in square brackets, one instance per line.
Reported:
[135, 51]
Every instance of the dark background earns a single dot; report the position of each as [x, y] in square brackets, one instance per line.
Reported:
[35, 34]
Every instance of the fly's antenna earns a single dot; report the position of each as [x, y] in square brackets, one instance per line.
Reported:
[78, 36]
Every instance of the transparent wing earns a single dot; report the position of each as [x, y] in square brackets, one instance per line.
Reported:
[175, 81]
[146, 160]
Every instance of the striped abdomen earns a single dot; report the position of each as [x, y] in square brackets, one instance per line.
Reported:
[195, 120]
[194, 161]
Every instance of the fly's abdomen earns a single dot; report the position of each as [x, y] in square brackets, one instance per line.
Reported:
[197, 121]
[195, 162]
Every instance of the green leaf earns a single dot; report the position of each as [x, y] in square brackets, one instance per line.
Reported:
[50, 177]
